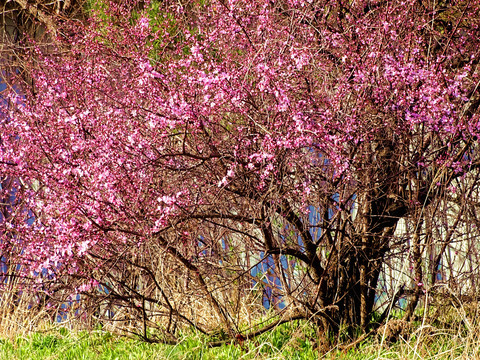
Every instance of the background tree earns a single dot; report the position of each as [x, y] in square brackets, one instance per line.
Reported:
[195, 153]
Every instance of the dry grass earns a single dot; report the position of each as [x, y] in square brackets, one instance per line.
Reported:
[448, 329]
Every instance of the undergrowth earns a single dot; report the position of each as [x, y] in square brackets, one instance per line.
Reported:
[442, 331]
[288, 341]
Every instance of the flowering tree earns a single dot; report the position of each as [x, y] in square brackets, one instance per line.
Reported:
[168, 151]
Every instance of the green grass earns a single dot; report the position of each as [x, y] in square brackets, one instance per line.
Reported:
[288, 341]
[95, 345]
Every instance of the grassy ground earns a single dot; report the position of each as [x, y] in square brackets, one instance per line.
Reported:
[441, 333]
[293, 341]
[102, 346]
